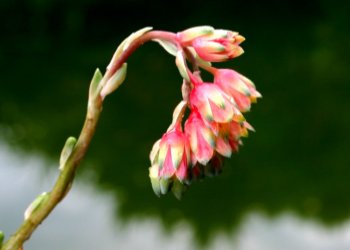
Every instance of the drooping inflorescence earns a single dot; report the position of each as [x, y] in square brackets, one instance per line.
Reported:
[195, 148]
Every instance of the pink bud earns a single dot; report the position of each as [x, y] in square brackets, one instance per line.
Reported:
[201, 138]
[174, 155]
[238, 86]
[212, 103]
[219, 46]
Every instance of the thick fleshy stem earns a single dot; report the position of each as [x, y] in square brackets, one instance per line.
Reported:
[66, 177]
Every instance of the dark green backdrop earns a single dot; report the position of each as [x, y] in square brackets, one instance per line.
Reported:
[297, 53]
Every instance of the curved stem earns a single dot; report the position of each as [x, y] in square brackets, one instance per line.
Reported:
[66, 177]
[169, 36]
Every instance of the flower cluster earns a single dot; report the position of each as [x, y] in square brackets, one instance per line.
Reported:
[213, 129]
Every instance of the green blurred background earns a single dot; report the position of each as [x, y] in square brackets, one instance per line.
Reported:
[297, 53]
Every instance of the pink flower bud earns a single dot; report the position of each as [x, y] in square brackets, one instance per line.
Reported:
[229, 136]
[186, 37]
[201, 138]
[174, 155]
[212, 103]
[219, 46]
[238, 86]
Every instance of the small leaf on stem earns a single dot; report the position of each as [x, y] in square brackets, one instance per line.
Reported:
[35, 204]
[168, 46]
[95, 82]
[2, 236]
[181, 65]
[67, 150]
[114, 82]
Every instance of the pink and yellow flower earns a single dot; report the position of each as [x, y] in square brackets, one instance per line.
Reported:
[212, 45]
[174, 154]
[236, 85]
[201, 138]
[170, 159]
[219, 46]
[185, 37]
[212, 103]
[229, 136]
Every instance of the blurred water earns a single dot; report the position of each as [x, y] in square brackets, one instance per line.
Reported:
[86, 219]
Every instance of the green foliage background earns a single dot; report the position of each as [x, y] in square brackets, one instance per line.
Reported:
[297, 53]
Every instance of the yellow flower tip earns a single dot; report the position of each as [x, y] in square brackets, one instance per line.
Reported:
[238, 51]
[239, 39]
[244, 132]
[238, 118]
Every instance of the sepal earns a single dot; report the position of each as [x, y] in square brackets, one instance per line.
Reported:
[178, 115]
[178, 189]
[168, 46]
[181, 65]
[165, 184]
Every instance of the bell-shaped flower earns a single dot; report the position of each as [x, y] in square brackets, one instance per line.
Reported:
[201, 138]
[236, 85]
[213, 104]
[229, 136]
[219, 46]
[174, 154]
